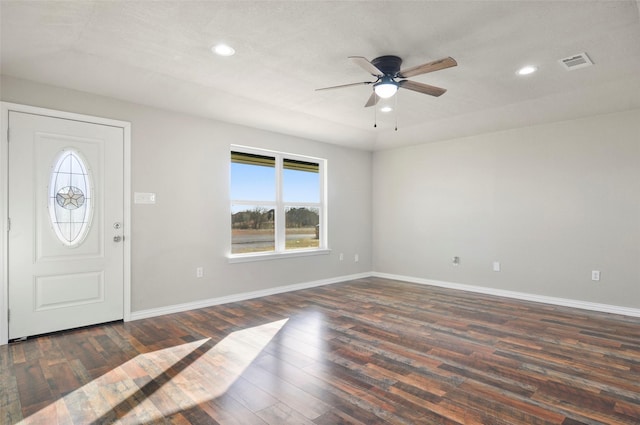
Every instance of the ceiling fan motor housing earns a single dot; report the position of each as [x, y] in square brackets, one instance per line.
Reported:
[389, 65]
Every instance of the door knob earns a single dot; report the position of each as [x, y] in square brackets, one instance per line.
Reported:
[117, 238]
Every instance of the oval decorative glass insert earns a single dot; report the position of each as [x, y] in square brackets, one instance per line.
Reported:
[70, 206]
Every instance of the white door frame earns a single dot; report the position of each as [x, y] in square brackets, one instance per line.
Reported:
[5, 107]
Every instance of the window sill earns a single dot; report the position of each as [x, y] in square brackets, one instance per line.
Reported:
[245, 258]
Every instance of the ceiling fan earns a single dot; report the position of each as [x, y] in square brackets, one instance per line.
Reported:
[387, 71]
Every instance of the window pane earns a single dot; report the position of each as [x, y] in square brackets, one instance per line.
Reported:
[70, 198]
[302, 227]
[266, 184]
[301, 181]
[253, 177]
[252, 229]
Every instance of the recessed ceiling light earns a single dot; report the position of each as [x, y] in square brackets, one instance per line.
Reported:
[223, 50]
[386, 109]
[526, 70]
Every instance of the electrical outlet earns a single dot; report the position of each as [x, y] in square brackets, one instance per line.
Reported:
[341, 256]
[356, 258]
[595, 275]
[496, 266]
[455, 261]
[199, 271]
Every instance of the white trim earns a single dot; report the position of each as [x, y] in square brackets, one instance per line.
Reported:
[126, 127]
[5, 107]
[177, 308]
[244, 258]
[584, 305]
[4, 200]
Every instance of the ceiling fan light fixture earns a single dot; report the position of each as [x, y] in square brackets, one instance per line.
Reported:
[385, 89]
[223, 50]
[526, 70]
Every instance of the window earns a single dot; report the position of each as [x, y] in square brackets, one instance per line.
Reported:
[277, 203]
[70, 198]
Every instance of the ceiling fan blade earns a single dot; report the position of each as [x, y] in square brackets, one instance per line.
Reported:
[428, 67]
[373, 99]
[422, 88]
[366, 65]
[346, 85]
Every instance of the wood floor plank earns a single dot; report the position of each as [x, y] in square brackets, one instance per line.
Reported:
[369, 351]
[33, 389]
[282, 414]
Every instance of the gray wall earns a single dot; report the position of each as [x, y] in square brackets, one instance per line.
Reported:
[185, 160]
[551, 203]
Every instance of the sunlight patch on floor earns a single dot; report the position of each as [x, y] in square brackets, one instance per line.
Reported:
[160, 383]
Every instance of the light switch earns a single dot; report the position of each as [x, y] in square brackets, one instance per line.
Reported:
[144, 198]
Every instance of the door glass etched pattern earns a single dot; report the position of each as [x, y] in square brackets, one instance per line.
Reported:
[70, 198]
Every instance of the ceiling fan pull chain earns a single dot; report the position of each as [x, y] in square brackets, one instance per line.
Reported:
[396, 108]
[375, 113]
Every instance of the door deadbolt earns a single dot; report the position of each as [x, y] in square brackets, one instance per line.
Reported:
[117, 238]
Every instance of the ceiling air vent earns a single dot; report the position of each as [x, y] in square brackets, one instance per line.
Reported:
[581, 60]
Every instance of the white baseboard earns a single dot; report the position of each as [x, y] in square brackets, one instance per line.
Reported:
[177, 308]
[585, 305]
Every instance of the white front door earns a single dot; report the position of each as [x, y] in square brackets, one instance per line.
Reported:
[66, 211]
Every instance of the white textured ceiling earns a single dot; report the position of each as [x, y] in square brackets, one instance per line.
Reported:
[158, 53]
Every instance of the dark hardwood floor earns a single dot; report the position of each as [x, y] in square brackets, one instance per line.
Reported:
[370, 351]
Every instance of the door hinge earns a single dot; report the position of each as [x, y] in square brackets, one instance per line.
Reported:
[8, 315]
[8, 224]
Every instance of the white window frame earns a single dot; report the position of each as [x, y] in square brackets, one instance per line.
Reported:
[281, 206]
